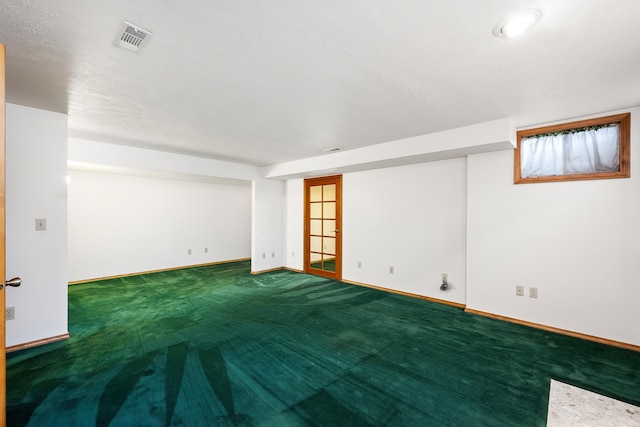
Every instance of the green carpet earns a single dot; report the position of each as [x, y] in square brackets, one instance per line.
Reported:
[215, 345]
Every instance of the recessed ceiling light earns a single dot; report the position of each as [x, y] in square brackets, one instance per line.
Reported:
[516, 24]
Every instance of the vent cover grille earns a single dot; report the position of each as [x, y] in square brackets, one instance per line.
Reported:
[131, 37]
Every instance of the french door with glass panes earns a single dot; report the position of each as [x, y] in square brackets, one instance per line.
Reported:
[322, 226]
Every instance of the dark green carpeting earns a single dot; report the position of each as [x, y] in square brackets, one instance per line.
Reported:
[218, 346]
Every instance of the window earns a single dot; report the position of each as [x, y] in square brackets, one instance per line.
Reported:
[588, 149]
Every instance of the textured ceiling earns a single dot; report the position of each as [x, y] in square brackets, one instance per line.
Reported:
[262, 82]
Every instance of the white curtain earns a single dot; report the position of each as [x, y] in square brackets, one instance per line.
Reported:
[586, 151]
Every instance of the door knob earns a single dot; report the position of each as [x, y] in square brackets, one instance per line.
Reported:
[15, 282]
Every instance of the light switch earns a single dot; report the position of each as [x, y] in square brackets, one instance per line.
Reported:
[41, 224]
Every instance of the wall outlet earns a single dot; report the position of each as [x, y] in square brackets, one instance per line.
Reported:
[264, 255]
[391, 270]
[359, 264]
[533, 292]
[206, 250]
[520, 290]
[293, 254]
[10, 313]
[41, 224]
[188, 251]
[273, 254]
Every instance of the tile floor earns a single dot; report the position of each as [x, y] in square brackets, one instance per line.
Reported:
[571, 406]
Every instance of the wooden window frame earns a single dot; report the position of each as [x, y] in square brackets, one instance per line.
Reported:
[622, 120]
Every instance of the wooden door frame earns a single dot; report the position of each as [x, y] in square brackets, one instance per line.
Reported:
[3, 362]
[337, 179]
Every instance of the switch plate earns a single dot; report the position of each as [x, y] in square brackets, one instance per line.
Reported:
[41, 224]
[392, 270]
[533, 292]
[520, 290]
[188, 251]
[10, 313]
[359, 264]
[206, 250]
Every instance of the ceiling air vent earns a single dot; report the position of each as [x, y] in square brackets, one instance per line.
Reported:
[132, 37]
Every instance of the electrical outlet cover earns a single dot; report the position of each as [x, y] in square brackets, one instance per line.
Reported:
[41, 224]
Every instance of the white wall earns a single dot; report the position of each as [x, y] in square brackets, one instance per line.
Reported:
[266, 211]
[120, 224]
[411, 217]
[294, 223]
[36, 168]
[577, 242]
[267, 223]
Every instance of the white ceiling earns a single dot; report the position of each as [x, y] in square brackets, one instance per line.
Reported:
[263, 82]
